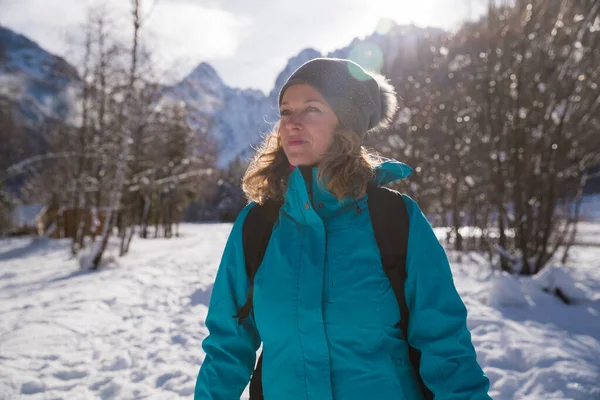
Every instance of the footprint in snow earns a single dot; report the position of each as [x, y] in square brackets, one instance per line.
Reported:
[32, 387]
[67, 375]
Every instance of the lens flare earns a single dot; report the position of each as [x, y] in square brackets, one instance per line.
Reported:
[369, 56]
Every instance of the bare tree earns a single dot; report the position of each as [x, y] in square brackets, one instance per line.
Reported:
[500, 121]
[125, 138]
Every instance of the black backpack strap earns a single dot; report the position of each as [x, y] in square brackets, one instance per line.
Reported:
[256, 234]
[390, 222]
[256, 389]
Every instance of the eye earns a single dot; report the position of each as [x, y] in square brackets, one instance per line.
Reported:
[284, 112]
[313, 109]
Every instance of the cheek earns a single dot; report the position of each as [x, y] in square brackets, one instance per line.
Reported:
[282, 132]
[324, 141]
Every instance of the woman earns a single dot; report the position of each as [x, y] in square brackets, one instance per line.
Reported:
[322, 305]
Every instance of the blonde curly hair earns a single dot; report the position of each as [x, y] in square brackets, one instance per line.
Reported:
[348, 165]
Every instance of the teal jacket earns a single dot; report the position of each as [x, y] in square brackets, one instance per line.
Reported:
[325, 311]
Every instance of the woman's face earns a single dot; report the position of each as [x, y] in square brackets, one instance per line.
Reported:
[307, 125]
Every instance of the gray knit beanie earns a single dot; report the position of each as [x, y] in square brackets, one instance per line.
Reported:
[363, 101]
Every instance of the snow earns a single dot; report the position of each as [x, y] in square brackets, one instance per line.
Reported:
[531, 344]
[506, 291]
[25, 215]
[134, 328]
[590, 207]
[555, 278]
[131, 330]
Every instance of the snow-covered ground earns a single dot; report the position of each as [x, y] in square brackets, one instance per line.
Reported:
[590, 207]
[133, 329]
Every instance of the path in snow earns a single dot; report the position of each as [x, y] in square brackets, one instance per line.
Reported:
[130, 331]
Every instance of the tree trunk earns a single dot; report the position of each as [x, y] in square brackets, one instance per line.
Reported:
[121, 172]
[575, 219]
[145, 216]
[456, 219]
[82, 134]
[123, 224]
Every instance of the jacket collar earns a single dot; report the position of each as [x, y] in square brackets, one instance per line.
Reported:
[301, 199]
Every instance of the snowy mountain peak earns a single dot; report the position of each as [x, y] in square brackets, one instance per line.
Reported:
[18, 54]
[206, 74]
[236, 118]
[293, 63]
[37, 85]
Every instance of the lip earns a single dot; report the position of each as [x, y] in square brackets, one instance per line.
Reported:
[296, 142]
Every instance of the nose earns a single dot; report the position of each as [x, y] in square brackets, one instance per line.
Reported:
[292, 121]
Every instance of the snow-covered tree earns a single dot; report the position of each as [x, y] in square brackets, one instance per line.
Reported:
[500, 121]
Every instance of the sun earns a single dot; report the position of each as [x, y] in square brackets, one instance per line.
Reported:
[424, 13]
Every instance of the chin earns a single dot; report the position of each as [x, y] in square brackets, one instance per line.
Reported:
[302, 162]
[296, 161]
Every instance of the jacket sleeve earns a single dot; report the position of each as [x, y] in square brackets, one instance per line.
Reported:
[230, 348]
[438, 317]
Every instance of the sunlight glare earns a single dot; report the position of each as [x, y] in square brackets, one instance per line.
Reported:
[384, 26]
[422, 13]
[367, 54]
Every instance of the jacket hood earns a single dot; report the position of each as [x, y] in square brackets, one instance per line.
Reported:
[300, 193]
[390, 171]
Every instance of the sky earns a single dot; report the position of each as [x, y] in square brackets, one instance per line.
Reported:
[248, 42]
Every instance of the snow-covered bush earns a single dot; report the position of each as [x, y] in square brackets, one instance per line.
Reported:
[557, 280]
[506, 291]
